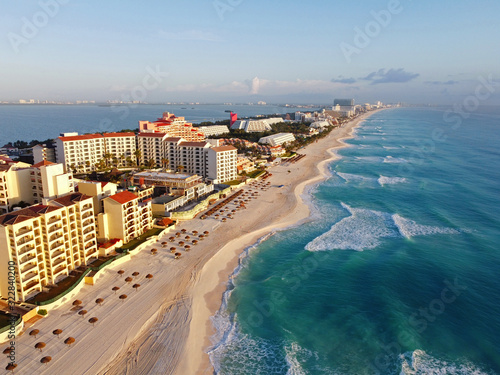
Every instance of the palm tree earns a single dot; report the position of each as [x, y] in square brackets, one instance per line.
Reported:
[137, 154]
[164, 162]
[122, 160]
[180, 168]
[151, 163]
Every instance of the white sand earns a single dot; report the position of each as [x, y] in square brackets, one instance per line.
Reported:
[164, 326]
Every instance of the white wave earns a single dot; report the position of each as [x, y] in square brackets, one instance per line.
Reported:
[349, 177]
[390, 148]
[409, 228]
[294, 366]
[419, 362]
[390, 159]
[383, 180]
[370, 159]
[364, 229]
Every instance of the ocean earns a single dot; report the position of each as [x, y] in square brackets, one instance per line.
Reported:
[41, 122]
[397, 272]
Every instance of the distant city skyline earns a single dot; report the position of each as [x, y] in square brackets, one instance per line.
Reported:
[249, 51]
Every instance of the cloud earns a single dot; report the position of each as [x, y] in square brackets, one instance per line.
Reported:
[189, 35]
[255, 86]
[390, 76]
[341, 79]
[450, 82]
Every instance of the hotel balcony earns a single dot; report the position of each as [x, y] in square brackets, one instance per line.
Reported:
[57, 253]
[28, 267]
[88, 222]
[25, 240]
[53, 220]
[86, 215]
[59, 261]
[23, 231]
[59, 271]
[31, 287]
[91, 252]
[56, 246]
[29, 277]
[26, 258]
[26, 249]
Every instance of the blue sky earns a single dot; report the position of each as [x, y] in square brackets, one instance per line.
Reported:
[249, 50]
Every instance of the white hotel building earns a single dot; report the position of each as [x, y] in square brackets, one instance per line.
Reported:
[214, 163]
[83, 152]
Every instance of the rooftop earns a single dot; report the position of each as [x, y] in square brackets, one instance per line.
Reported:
[124, 197]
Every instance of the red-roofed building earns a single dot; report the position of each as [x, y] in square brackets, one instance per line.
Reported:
[83, 152]
[172, 126]
[125, 217]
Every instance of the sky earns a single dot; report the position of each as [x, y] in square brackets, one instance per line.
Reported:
[214, 51]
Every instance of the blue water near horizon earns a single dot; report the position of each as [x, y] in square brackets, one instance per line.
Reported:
[395, 273]
[41, 122]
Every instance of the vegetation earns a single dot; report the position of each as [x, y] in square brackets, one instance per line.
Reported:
[42, 312]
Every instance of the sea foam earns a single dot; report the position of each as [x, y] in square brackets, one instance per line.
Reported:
[418, 362]
[364, 229]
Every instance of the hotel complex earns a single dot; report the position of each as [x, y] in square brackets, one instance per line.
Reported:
[46, 242]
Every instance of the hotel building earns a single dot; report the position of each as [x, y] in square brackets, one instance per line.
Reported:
[83, 152]
[173, 127]
[125, 217]
[46, 242]
[278, 139]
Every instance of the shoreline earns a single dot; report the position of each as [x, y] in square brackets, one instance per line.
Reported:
[212, 283]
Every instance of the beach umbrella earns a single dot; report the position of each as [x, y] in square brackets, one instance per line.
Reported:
[149, 276]
[154, 251]
[69, 341]
[136, 286]
[77, 302]
[129, 279]
[172, 249]
[40, 345]
[99, 301]
[177, 255]
[123, 297]
[164, 243]
[93, 321]
[206, 233]
[82, 313]
[11, 367]
[46, 360]
[34, 332]
[121, 272]
[135, 274]
[195, 232]
[187, 247]
[177, 234]
[183, 230]
[7, 350]
[181, 243]
[187, 237]
[57, 332]
[195, 242]
[172, 239]
[115, 288]
[201, 236]
[224, 220]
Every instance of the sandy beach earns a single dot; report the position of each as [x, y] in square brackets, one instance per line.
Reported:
[164, 325]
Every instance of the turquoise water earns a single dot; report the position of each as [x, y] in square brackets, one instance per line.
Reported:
[396, 273]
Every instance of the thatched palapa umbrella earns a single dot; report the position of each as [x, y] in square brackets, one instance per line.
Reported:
[177, 255]
[195, 232]
[187, 247]
[120, 272]
[40, 345]
[136, 287]
[46, 360]
[115, 288]
[187, 237]
[129, 279]
[172, 239]
[123, 297]
[154, 251]
[206, 233]
[183, 230]
[7, 350]
[69, 341]
[93, 321]
[11, 367]
[57, 332]
[135, 274]
[77, 302]
[149, 276]
[82, 313]
[34, 332]
[99, 301]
